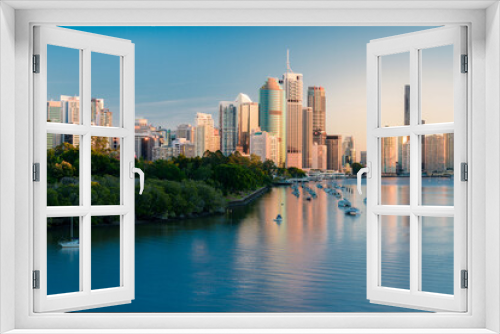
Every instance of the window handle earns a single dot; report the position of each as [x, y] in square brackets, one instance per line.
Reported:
[368, 172]
[139, 171]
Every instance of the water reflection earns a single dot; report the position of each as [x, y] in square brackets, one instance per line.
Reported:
[314, 261]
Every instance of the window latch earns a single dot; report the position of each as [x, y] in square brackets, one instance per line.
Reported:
[368, 171]
[139, 171]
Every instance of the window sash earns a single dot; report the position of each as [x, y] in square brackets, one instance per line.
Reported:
[86, 297]
[413, 43]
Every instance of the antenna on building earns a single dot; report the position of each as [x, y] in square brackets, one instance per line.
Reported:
[288, 68]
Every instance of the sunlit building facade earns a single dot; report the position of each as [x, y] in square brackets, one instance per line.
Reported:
[293, 83]
[334, 152]
[248, 117]
[319, 154]
[264, 145]
[204, 136]
[272, 114]
[316, 99]
[307, 137]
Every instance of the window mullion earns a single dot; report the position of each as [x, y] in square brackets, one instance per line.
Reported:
[86, 165]
[415, 248]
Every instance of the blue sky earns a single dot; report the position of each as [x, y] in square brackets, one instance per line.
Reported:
[184, 70]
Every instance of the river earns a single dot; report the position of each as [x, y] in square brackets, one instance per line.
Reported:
[244, 261]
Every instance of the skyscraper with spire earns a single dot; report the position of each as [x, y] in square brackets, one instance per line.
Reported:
[272, 114]
[293, 83]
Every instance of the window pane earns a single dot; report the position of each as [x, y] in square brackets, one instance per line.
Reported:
[105, 167]
[437, 254]
[105, 104]
[437, 85]
[395, 90]
[63, 255]
[395, 244]
[105, 257]
[437, 169]
[395, 170]
[63, 168]
[63, 85]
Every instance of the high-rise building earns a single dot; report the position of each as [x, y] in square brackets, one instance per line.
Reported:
[96, 107]
[248, 120]
[146, 139]
[307, 137]
[449, 147]
[319, 157]
[389, 155]
[264, 145]
[272, 114]
[334, 152]
[216, 141]
[407, 104]
[293, 83]
[54, 114]
[362, 158]
[185, 131]
[204, 133]
[349, 149]
[70, 108]
[404, 155]
[228, 119]
[316, 99]
[54, 111]
[438, 153]
[319, 137]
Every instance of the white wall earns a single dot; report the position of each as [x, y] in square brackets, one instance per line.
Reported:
[492, 149]
[7, 158]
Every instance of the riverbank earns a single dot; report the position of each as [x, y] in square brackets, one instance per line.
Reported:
[248, 198]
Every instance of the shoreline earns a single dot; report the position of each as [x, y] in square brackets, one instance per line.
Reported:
[230, 204]
[248, 198]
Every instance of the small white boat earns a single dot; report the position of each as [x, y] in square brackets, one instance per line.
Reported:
[74, 243]
[352, 211]
[344, 203]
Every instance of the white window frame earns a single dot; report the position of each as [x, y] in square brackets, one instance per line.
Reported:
[484, 50]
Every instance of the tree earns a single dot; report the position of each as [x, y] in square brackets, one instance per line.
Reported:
[356, 167]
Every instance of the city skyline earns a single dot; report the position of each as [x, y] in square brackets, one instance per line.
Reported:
[174, 82]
